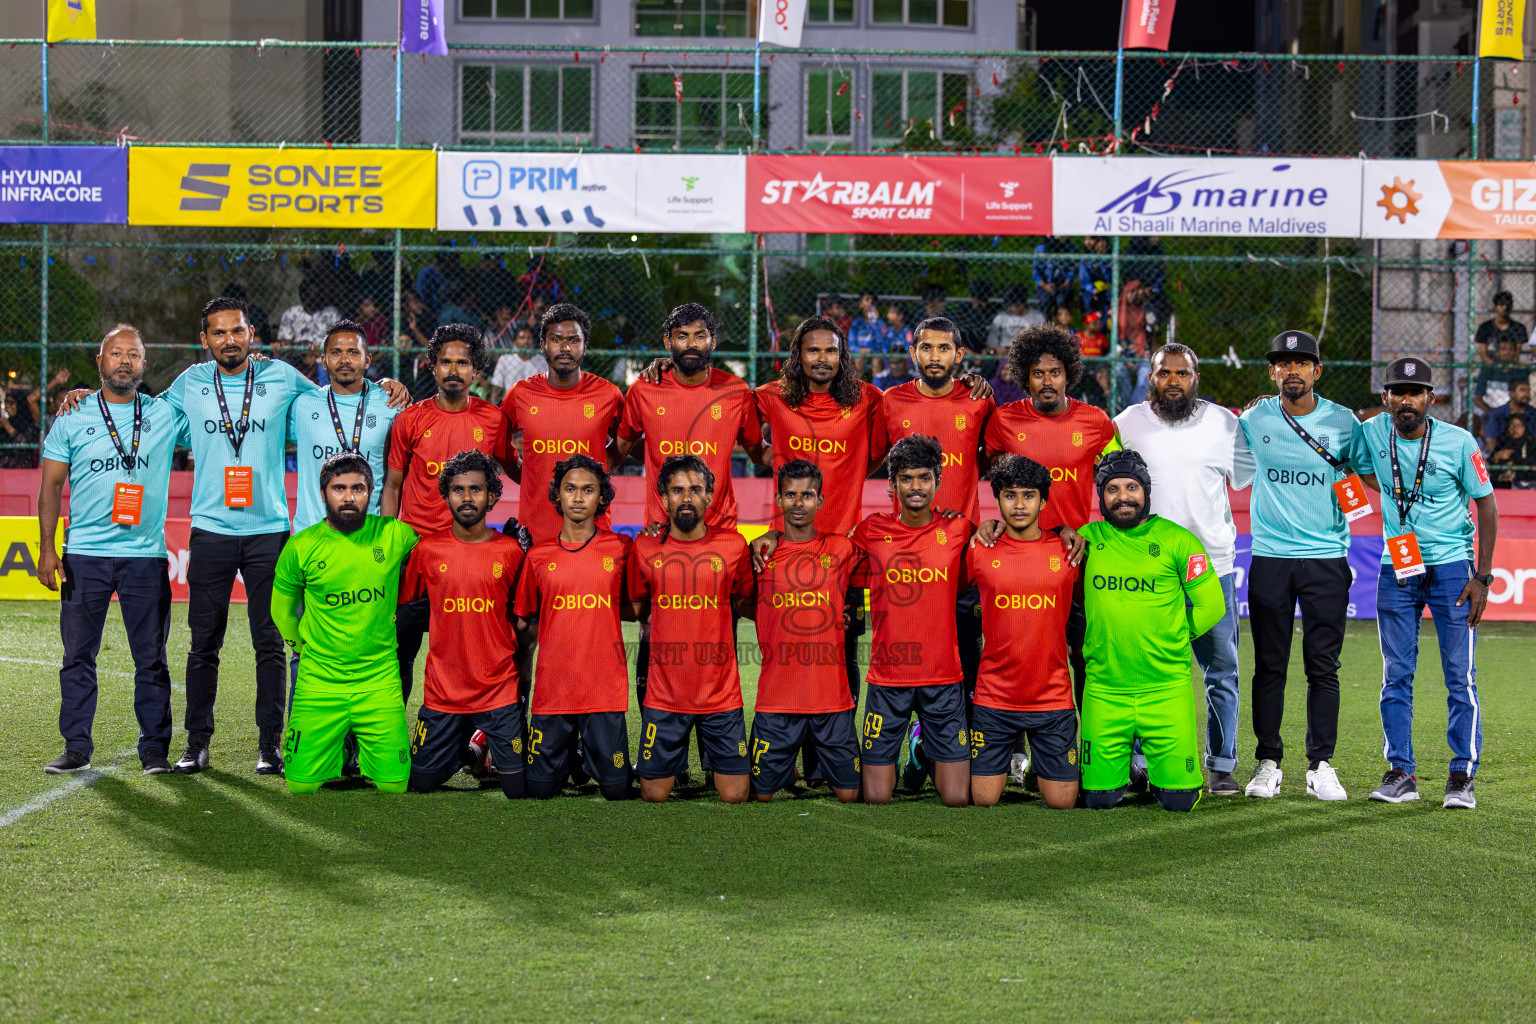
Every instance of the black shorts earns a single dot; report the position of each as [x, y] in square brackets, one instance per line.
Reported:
[664, 742]
[604, 740]
[1052, 741]
[777, 737]
[439, 739]
[940, 709]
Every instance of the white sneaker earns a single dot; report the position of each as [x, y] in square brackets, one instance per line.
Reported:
[1018, 767]
[1266, 780]
[1323, 783]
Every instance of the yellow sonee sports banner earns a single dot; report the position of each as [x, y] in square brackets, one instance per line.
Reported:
[1501, 29]
[71, 19]
[286, 188]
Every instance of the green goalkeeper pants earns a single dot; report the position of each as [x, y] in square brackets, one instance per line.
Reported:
[318, 723]
[1165, 722]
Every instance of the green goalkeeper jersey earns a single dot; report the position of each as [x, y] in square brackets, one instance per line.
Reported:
[1134, 587]
[349, 585]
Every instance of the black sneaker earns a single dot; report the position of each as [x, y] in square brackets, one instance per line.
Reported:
[67, 762]
[193, 761]
[1458, 792]
[155, 763]
[1396, 788]
[269, 761]
[1223, 784]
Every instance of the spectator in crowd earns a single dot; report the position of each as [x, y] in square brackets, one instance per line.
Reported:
[1063, 317]
[1093, 340]
[491, 284]
[1494, 380]
[1053, 276]
[898, 371]
[458, 307]
[502, 328]
[1496, 423]
[417, 324]
[1093, 276]
[18, 431]
[1516, 447]
[522, 362]
[538, 278]
[1493, 332]
[304, 324]
[866, 333]
[895, 336]
[258, 315]
[836, 310]
[1136, 316]
[1093, 389]
[431, 278]
[975, 317]
[1018, 313]
[1004, 390]
[377, 282]
[1144, 263]
[375, 325]
[935, 300]
[537, 303]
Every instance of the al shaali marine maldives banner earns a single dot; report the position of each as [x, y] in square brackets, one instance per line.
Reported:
[602, 192]
[1448, 199]
[63, 185]
[282, 188]
[1239, 197]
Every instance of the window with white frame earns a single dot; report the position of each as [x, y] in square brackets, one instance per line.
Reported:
[529, 10]
[694, 109]
[911, 102]
[829, 12]
[508, 103]
[829, 95]
[696, 18]
[943, 13]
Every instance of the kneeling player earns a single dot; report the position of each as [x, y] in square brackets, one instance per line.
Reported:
[344, 572]
[915, 568]
[802, 691]
[574, 583]
[687, 581]
[1140, 569]
[1024, 687]
[468, 573]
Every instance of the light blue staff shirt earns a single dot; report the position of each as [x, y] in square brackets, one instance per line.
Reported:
[314, 441]
[1294, 511]
[277, 385]
[95, 469]
[1455, 474]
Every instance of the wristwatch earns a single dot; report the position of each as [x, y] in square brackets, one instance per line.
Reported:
[1486, 581]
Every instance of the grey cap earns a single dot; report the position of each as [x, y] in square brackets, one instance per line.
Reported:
[1408, 370]
[1294, 343]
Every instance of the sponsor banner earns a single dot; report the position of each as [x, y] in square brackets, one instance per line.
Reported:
[1500, 28]
[1448, 199]
[18, 566]
[63, 185]
[71, 19]
[779, 22]
[285, 188]
[897, 195]
[1236, 197]
[1148, 24]
[606, 192]
[421, 27]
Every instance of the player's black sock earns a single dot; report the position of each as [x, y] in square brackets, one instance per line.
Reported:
[1104, 799]
[513, 784]
[1312, 765]
[541, 790]
[618, 791]
[1173, 799]
[426, 782]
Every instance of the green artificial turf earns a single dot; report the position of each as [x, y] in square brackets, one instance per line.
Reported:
[221, 898]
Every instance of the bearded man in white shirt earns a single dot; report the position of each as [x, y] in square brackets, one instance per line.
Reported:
[1193, 450]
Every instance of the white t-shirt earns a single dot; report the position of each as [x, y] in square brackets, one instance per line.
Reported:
[1191, 465]
[1006, 324]
[512, 368]
[305, 328]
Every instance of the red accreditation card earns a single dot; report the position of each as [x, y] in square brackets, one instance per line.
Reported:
[127, 501]
[239, 487]
[1352, 498]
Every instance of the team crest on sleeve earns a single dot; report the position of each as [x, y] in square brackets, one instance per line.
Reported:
[1077, 439]
[960, 421]
[1055, 563]
[715, 411]
[607, 563]
[378, 554]
[496, 570]
[479, 433]
[942, 538]
[1197, 564]
[589, 410]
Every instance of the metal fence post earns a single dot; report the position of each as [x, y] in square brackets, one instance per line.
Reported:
[42, 313]
[1477, 69]
[1114, 257]
[396, 256]
[755, 244]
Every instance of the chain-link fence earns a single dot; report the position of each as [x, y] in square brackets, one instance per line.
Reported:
[1226, 298]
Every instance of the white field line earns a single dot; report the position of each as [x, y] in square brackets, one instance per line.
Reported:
[75, 782]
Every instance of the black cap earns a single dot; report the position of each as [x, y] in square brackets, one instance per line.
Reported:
[1408, 370]
[1294, 343]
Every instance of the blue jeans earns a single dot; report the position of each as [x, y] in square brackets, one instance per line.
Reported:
[1399, 612]
[1216, 653]
[143, 590]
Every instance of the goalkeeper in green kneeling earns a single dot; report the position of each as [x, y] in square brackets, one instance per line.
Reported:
[1148, 590]
[333, 599]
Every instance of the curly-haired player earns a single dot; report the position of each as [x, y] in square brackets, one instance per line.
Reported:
[468, 576]
[425, 436]
[574, 584]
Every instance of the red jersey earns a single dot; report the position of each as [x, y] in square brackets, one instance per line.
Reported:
[706, 420]
[839, 441]
[555, 425]
[1026, 598]
[577, 594]
[693, 636]
[471, 664]
[800, 626]
[914, 575]
[424, 437]
[1068, 445]
[957, 421]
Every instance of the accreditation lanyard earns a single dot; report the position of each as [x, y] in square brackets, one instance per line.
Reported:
[129, 455]
[236, 431]
[1406, 499]
[1311, 442]
[357, 425]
